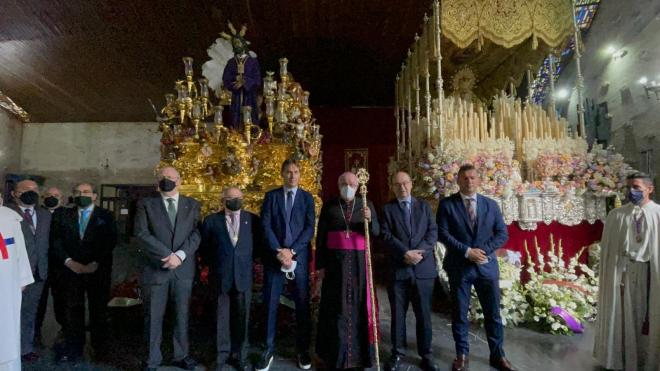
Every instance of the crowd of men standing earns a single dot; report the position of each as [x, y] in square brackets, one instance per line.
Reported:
[70, 253]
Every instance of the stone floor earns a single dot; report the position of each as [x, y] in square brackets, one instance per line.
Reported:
[527, 349]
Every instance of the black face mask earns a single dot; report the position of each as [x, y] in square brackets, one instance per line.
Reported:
[234, 204]
[166, 185]
[82, 201]
[51, 201]
[29, 198]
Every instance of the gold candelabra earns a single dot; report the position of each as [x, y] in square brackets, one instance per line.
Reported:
[211, 156]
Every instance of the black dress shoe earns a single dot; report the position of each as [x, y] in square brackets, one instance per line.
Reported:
[30, 357]
[187, 363]
[502, 364]
[237, 364]
[65, 358]
[461, 363]
[393, 364]
[428, 365]
[265, 361]
[304, 361]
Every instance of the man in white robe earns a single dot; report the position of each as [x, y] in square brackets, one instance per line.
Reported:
[15, 274]
[628, 324]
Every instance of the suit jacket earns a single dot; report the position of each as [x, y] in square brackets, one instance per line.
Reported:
[456, 234]
[302, 222]
[158, 238]
[37, 243]
[399, 239]
[232, 265]
[96, 245]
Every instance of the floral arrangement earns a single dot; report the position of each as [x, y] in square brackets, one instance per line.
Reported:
[556, 299]
[594, 256]
[560, 299]
[493, 158]
[533, 148]
[606, 171]
[513, 304]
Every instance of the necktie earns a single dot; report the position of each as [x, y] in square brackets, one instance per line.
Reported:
[288, 238]
[639, 220]
[406, 215]
[233, 221]
[27, 216]
[82, 224]
[234, 229]
[171, 211]
[289, 203]
[472, 213]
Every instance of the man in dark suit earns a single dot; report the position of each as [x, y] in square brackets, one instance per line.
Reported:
[36, 232]
[472, 228]
[229, 239]
[52, 200]
[82, 240]
[287, 217]
[410, 235]
[167, 230]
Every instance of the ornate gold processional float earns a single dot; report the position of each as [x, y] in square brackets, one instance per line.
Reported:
[212, 154]
[536, 165]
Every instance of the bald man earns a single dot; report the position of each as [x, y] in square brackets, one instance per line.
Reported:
[36, 229]
[167, 230]
[410, 234]
[344, 317]
[82, 239]
[229, 238]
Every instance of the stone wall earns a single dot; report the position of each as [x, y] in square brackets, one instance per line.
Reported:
[11, 130]
[97, 152]
[634, 27]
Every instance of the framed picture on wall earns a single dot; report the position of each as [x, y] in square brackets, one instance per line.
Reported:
[355, 159]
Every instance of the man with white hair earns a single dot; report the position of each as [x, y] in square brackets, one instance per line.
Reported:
[628, 323]
[15, 275]
[344, 317]
[167, 230]
[52, 199]
[229, 240]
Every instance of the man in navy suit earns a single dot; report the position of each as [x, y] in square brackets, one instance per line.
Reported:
[229, 239]
[410, 234]
[287, 218]
[472, 228]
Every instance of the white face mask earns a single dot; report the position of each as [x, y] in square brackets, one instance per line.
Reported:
[347, 192]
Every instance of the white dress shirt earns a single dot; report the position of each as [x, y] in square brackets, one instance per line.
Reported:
[233, 229]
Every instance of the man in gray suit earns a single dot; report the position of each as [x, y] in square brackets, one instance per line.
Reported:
[36, 231]
[167, 230]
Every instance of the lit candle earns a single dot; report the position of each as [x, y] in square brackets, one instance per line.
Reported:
[204, 87]
[217, 118]
[188, 66]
